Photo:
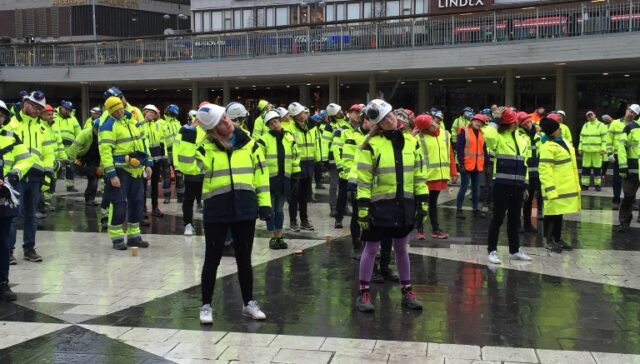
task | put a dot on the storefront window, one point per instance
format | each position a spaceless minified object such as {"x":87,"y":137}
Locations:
{"x":419,"y":6}
{"x":247,"y":19}
{"x":393,"y":8}
{"x":271,"y":17}
{"x":340,"y":9}
{"x":406,"y":7}
{"x":282,"y":16}
{"x":207,"y":21}
{"x":353,"y":11}
{"x":330,"y":13}
{"x":260,"y":18}
{"x":228,"y":19}
{"x":197,"y":22}
{"x":216,"y":21}
{"x":366,"y":7}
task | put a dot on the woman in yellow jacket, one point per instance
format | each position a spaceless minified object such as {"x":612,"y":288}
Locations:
{"x":235,"y":192}
{"x":559,"y":182}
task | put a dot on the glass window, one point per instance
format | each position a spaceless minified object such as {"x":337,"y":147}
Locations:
{"x":419,"y":6}
{"x":294,"y":12}
{"x":366,"y":7}
{"x":197,"y":22}
{"x":207,"y":21}
{"x":228,"y":15}
{"x":282,"y":16}
{"x":340,"y":9}
{"x":247,"y":19}
{"x":237,"y":19}
{"x":393,"y":8}
{"x":271,"y":17}
{"x":406,"y":7}
{"x":216,"y":21}
{"x":260,"y":18}
{"x":378,"y":10}
{"x":353,"y":11}
{"x":330,"y":14}
{"x":316,"y":13}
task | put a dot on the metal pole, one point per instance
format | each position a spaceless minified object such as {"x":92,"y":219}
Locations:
{"x":93,"y":12}
{"x":630,"y":15}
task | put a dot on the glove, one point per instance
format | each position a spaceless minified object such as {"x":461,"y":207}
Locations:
{"x":78,"y":162}
{"x":525,"y":195}
{"x":56,"y":166}
{"x":12,"y":179}
{"x":624,"y":172}
{"x":265,"y":213}
{"x":46,"y":183}
{"x":422,"y":212}
{"x":99,"y":172}
{"x":133,"y":162}
{"x":127,"y":114}
{"x":363,"y":218}
{"x":612,"y":159}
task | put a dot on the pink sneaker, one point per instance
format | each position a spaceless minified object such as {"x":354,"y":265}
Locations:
{"x":420,"y":235}
{"x":439,"y":234}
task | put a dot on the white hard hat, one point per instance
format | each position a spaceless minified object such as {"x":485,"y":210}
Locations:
{"x":439,"y":115}
{"x":560,"y":112}
{"x":192,"y":113}
{"x":296,"y":108}
{"x":271,"y":114}
{"x":152,"y":108}
{"x":210,"y":115}
{"x":236,"y":110}
{"x":333,"y":109}
{"x":635,"y":108}
{"x":96,"y":110}
{"x":37,"y":97}
{"x":377,"y":110}
{"x":4,"y":107}
{"x":282,"y":112}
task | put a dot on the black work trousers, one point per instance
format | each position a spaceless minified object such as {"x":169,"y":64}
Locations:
{"x":89,"y":171}
{"x":507,"y":200}
{"x":299,"y":198}
{"x":630,"y":188}
{"x":214,"y":237}
{"x":341,"y":204}
{"x":534,"y":192}
{"x":192,"y":192}
{"x":553,"y":227}
{"x":158,"y":168}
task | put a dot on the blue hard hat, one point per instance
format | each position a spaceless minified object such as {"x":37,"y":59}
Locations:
{"x":316,"y":117}
{"x":112,"y":91}
{"x":486,"y":111}
{"x":22,"y":94}
{"x":67,"y":105}
{"x":172,"y":110}
{"x":323,"y":114}
{"x":467,"y":109}
{"x":96,"y":123}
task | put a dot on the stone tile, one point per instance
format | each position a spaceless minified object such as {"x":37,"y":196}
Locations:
{"x":159,"y":348}
{"x":565,"y":357}
{"x":437,"y":350}
{"x":408,"y":348}
{"x":469,"y":361}
{"x":110,"y":331}
{"x":199,"y":361}
{"x":10,"y":340}
{"x":495,"y":353}
{"x":238,"y":339}
{"x":610,"y":358}
{"x":147,"y":335}
{"x":93,"y":310}
{"x":194,"y":336}
{"x":196,"y":351}
{"x":297,"y":342}
{"x":302,"y":356}
{"x":248,"y":353}
{"x":349,"y":358}
{"x":337,"y":344}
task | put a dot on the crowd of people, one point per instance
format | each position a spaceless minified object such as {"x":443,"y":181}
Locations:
{"x":388,"y":166}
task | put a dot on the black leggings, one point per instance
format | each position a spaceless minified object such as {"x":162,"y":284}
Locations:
{"x":341,"y":204}
{"x":552,"y":227}
{"x":214,"y":237}
{"x":507,"y":200}
{"x":192,"y":191}
{"x":354,"y":226}
{"x":298,"y":199}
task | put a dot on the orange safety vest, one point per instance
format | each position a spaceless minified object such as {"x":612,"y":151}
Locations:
{"x":473,"y":150}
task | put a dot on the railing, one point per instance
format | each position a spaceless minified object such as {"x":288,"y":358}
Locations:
{"x":569,"y":20}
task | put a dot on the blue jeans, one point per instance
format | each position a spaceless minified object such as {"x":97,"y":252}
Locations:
{"x":474,"y":177}
{"x":277,"y":221}
{"x":5,"y":248}
{"x":29,"y":189}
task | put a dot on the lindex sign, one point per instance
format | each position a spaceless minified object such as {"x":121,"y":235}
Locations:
{"x":459,"y":6}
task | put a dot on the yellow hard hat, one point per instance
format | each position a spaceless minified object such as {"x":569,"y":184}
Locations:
{"x":112,"y":104}
{"x":262,"y":104}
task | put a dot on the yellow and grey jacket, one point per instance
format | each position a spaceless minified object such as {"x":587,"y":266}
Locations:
{"x":120,"y":143}
{"x":68,"y":127}
{"x":559,"y":179}
{"x":283,"y":159}
{"x":37,"y":140}
{"x":184,"y":153}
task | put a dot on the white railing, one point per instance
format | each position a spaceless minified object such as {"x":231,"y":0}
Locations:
{"x":570,"y":20}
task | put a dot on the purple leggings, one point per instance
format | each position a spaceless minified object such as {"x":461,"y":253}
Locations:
{"x":369,"y":253}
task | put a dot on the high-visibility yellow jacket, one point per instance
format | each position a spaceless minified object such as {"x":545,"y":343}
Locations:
{"x":283,"y":159}
{"x":81,"y":145}
{"x":353,"y":140}
{"x":459,"y":123}
{"x":566,"y":132}
{"x":68,"y":126}
{"x":236,"y":182}
{"x":55,"y":139}
{"x":615,"y":132}
{"x":391,"y":178}
{"x":337,"y":144}
{"x":87,"y":123}
{"x":306,"y":141}
{"x":259,"y":127}
{"x":37,"y":140}
{"x":119,"y":140}
{"x":628,"y":145}
{"x":593,"y":137}
{"x":436,"y":151}
{"x":533,"y":149}
{"x":510,"y":163}
{"x":185,"y":152}
{"x":171,"y":127}
{"x":490,"y":134}
{"x":559,"y":179}
{"x":154,"y":134}
{"x":15,"y":163}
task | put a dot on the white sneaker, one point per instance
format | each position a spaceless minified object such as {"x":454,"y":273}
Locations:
{"x":188,"y":230}
{"x":253,"y":310}
{"x":206,"y":314}
{"x":520,"y":255}
{"x":493,"y":258}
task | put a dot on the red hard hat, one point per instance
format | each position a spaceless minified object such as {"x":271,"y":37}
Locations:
{"x":48,"y":107}
{"x":554,"y":117}
{"x":480,"y":117}
{"x":423,"y":121}
{"x":356,"y":107}
{"x":508,"y":116}
{"x":523,"y":117}
{"x":410,"y":113}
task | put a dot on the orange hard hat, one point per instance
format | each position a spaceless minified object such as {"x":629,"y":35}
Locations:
{"x":508,"y":116}
{"x":48,"y":107}
{"x":423,"y":121}
{"x":523,"y":117}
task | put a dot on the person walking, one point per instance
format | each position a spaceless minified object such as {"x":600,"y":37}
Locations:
{"x":471,"y":151}
{"x":510,"y":187}
{"x":592,"y":147}
{"x":392,"y":193}
{"x":235,"y":192}
{"x":559,"y":183}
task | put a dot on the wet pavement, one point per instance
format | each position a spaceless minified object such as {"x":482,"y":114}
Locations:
{"x":88,"y":303}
